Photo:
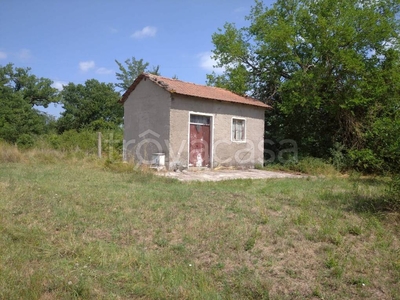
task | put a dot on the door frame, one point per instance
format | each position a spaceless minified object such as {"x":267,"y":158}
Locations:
{"x":211,"y":136}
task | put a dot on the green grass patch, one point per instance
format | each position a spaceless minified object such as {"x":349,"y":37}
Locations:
{"x":306,"y":165}
{"x":75,"y":228}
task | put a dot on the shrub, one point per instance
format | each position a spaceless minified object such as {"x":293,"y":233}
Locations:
{"x":86,"y":141}
{"x":365,"y":161}
{"x":338,"y":158}
{"x":25,"y":141}
{"x":54,"y":140}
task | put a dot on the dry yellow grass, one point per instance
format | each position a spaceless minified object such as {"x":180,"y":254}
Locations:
{"x":9,"y":153}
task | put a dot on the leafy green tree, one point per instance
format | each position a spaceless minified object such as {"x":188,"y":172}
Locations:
{"x":34,"y":90}
{"x":329,"y":68}
{"x":234,"y":79}
{"x":93,"y":105}
{"x":20,"y":91}
{"x":132,"y":70}
{"x":17,"y":117}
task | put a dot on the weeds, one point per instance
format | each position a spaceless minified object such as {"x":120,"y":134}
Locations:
{"x":9,"y":153}
{"x":251,"y":241}
{"x":307,"y":165}
{"x":392,"y":199}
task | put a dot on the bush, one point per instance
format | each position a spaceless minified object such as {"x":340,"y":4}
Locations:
{"x":54,"y":140}
{"x":85,"y":141}
{"x":338,"y":158}
{"x":25,"y":141}
{"x":365,"y":161}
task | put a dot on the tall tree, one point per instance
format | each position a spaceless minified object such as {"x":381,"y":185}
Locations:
{"x":34,"y":90}
{"x":326,"y":66}
{"x":20,"y":91}
{"x":132,"y":70}
{"x":93,"y":105}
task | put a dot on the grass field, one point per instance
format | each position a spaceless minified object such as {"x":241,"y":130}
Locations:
{"x":74,"y":230}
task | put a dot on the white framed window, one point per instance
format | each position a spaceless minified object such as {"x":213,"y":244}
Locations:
{"x":238,"y":130}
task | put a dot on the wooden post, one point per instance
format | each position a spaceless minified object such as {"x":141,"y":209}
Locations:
{"x":99,"y":144}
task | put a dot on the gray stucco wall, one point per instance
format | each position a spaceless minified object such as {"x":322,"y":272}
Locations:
{"x":225,"y":152}
{"x":146,"y":122}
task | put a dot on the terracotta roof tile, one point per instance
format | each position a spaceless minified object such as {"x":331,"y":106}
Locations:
{"x":193,"y":90}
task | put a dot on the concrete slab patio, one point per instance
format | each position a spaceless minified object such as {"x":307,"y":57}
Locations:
{"x":218,"y":175}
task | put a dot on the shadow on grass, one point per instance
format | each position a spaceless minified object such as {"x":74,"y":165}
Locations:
{"x":385,"y":201}
{"x":361,"y":200}
{"x":375,"y":205}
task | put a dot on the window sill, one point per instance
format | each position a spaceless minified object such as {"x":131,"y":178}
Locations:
{"x":239,"y":142}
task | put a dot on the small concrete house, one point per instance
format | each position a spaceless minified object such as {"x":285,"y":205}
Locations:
{"x":179,"y":124}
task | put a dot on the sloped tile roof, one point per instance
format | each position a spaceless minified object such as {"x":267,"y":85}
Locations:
{"x":193,"y":90}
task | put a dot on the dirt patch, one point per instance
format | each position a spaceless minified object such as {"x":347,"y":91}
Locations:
{"x":218,"y":175}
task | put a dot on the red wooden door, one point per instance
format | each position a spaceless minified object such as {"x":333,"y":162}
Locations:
{"x":199,"y":150}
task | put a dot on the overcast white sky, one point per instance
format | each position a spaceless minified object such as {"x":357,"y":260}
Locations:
{"x":76,"y":40}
